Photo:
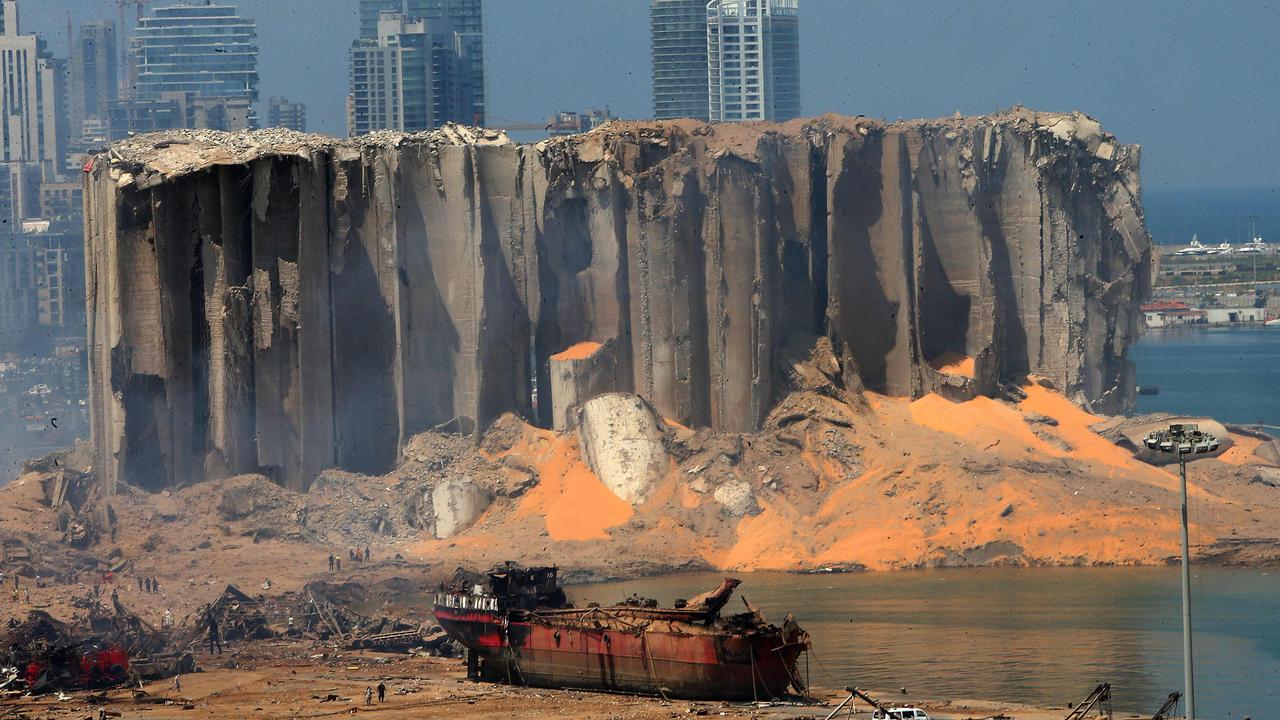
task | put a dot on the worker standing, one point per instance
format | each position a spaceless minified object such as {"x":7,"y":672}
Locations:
{"x":382,"y":691}
{"x":368,"y":696}
{"x":330,"y":562}
{"x":215,"y":641}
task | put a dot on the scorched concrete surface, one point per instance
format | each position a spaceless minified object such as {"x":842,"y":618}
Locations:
{"x":280,"y":303}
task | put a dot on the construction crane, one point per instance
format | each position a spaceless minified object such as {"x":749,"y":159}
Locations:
{"x":1099,"y":698}
{"x":1166,"y":710}
{"x":856,"y":693}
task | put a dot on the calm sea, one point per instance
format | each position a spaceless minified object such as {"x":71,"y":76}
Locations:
{"x":1230,"y":374}
{"x":1043,"y":636}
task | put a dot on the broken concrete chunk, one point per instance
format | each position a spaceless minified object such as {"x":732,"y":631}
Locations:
{"x":456,"y":504}
{"x":737,"y":498}
{"x":622,"y":444}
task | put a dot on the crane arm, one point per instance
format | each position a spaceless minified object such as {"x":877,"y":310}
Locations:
{"x":1100,"y":695}
{"x":1168,"y":707}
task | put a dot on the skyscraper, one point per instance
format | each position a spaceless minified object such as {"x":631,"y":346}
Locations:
{"x":207,"y":50}
{"x":95,"y":76}
{"x":32,"y":128}
{"x":753,"y":59}
{"x":678,"y":41}
{"x":466,"y":18}
{"x":415,"y":76}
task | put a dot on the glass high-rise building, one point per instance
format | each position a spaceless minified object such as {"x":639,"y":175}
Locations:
{"x":725,"y":60}
{"x":207,"y":50}
{"x":414,"y":76}
{"x":678,"y":42}
{"x":465,"y":18}
{"x":753,"y":59}
{"x":95,"y":79}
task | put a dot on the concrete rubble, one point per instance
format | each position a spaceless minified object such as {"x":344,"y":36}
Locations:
{"x":281,"y":303}
{"x":622,"y":444}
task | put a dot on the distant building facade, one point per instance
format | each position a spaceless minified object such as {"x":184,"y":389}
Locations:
{"x":18,"y":306}
{"x":569,"y":122}
{"x":753,"y":60}
{"x":58,"y":252}
{"x":283,"y":113}
{"x":206,"y":50}
{"x":95,"y":76}
{"x":678,"y":44}
{"x":725,"y":60}
{"x":126,"y":117}
{"x":466,"y":19}
{"x":33,"y":127}
{"x":176,"y":110}
{"x":416,"y":75}
{"x":19,"y":194}
{"x":62,"y":201}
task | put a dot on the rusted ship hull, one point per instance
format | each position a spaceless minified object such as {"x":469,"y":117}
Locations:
{"x":573,"y":649}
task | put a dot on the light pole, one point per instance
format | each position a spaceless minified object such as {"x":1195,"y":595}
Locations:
{"x":1184,"y":440}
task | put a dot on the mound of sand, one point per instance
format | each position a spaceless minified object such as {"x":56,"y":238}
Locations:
{"x":839,"y":479}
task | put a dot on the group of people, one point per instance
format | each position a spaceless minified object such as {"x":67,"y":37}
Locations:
{"x":148,"y":585}
{"x":382,"y":694}
{"x":353,"y":554}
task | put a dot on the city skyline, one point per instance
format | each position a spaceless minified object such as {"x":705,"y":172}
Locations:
{"x":940,"y":59}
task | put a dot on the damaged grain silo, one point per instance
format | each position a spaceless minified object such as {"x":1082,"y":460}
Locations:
{"x":282,"y":303}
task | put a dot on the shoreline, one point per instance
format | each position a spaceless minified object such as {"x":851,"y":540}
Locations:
{"x":294,"y":679}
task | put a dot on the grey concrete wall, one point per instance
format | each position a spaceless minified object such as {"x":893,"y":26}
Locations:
{"x":285,"y":303}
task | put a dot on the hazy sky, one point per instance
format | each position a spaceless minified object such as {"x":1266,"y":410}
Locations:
{"x":1195,"y":83}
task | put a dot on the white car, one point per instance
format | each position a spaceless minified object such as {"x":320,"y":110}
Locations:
{"x":899,"y":713}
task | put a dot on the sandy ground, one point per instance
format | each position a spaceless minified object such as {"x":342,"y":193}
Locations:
{"x":873,"y":483}
{"x":292,"y":680}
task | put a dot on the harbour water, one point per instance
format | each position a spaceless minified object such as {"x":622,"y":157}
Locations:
{"x":1044,"y":636}
{"x":1230,"y":373}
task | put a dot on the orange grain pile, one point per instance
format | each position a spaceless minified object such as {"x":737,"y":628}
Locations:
{"x":581,"y":351}
{"x":1241,"y":450}
{"x":988,"y":423}
{"x":953,"y":363}
{"x":572,"y":500}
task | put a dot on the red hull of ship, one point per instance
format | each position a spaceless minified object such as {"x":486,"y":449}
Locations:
{"x":564,"y":651}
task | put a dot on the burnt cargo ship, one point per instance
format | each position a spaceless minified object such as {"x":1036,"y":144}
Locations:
{"x":519,"y":628}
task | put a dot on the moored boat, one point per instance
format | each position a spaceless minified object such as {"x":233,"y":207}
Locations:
{"x":518,"y":628}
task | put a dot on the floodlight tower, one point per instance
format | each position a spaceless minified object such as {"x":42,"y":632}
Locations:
{"x":1184,"y":440}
